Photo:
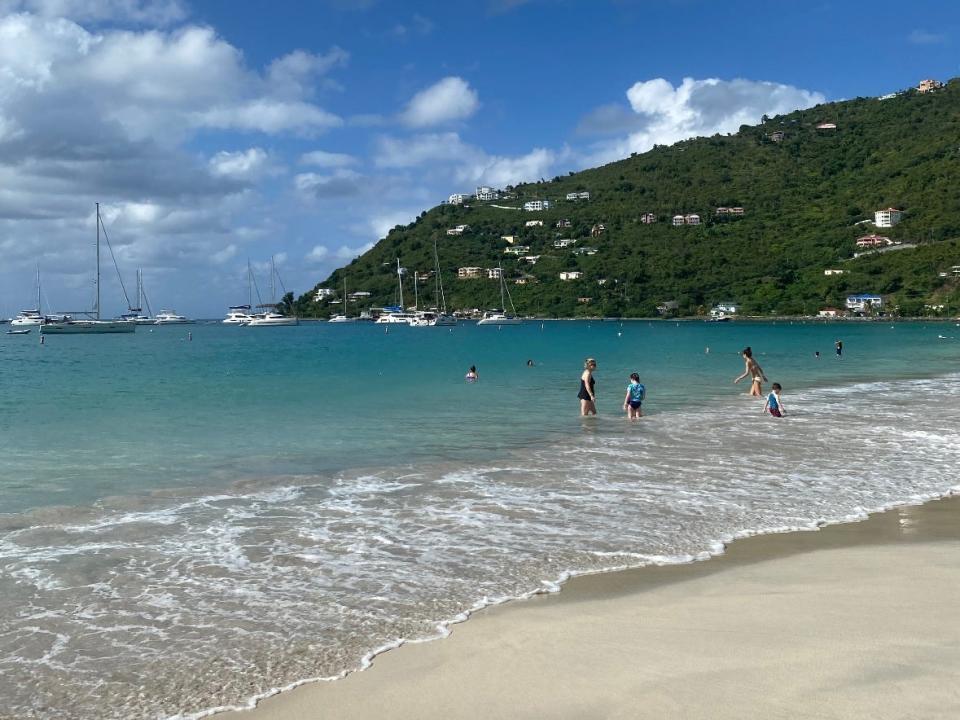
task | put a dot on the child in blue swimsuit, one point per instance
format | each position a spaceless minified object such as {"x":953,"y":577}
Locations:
{"x":636,"y":392}
{"x":774,"y":404}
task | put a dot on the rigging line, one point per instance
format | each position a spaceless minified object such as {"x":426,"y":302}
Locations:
{"x":255,"y":286}
{"x":115,"y":266}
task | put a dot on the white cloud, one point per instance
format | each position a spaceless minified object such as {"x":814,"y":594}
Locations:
{"x":269,"y":116}
{"x":923,"y":37}
{"x":666,"y":114}
{"x":227,"y":253}
{"x":148,"y":12}
{"x":346,"y":253}
{"x":317,"y":254}
{"x":466,"y":163}
{"x":341,"y":183}
{"x":449,"y":99}
{"x":321,"y":158}
{"x":295,"y":73}
{"x":245,"y":164}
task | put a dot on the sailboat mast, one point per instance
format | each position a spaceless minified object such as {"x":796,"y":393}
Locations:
{"x":416,"y":291}
{"x":97,"y":306}
{"x":39,"y":306}
{"x":345,"y":313}
{"x":273,"y":282}
{"x":400,"y":281}
{"x":503,"y":284}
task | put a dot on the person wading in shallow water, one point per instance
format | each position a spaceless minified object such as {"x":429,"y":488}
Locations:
{"x":588,"y":400}
{"x":755,"y":371}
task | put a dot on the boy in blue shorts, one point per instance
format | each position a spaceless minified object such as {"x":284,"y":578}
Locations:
{"x":774,"y":404}
{"x":636,"y":392}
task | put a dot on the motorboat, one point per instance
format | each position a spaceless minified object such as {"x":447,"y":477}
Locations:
{"x":169,"y":317}
{"x":238,"y":315}
{"x":19,"y":332}
{"x":26,"y":318}
{"x":272,"y":319}
{"x":342,"y":319}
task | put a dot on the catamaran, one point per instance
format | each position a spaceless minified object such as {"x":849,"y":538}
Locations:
{"x":343,"y":317}
{"x":135,"y":313}
{"x":68,"y":326}
{"x":240,"y":314}
{"x":30,"y":318}
{"x":270,"y":317}
{"x":169,"y":317}
{"x":396,"y":314}
{"x":501,"y":317}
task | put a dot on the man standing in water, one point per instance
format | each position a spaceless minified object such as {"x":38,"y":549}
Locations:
{"x":755,"y":372}
{"x":839,"y":345}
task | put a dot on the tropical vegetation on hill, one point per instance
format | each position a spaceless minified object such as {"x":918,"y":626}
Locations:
{"x":806,"y":197}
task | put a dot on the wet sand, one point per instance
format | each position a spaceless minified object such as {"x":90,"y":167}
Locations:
{"x":854,"y":621}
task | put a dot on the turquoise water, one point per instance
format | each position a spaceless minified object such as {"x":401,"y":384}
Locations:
{"x":188,"y":524}
{"x":86,"y":417}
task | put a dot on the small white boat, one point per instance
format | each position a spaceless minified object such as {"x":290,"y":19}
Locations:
{"x":501,"y":317}
{"x":18,"y":332}
{"x":342,"y":319}
{"x":238,"y":315}
{"x":272,"y":319}
{"x":169,"y":317}
{"x":27,"y":318}
{"x":393,"y":316}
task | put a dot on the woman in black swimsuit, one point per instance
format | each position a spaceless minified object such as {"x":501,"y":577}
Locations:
{"x":588,"y":400}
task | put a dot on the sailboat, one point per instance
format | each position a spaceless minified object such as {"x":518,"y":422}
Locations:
{"x":272,"y":318}
{"x":30,"y":318}
{"x":96,"y":325}
{"x":436,"y":316}
{"x":501,"y":317}
{"x":134,"y":314}
{"x":343,"y":317}
{"x":396,"y":314}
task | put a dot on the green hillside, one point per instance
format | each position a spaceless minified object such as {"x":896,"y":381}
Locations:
{"x":802,"y":200}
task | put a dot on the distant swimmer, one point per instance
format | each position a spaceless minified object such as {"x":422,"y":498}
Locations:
{"x":816,"y":354}
{"x":774,"y":404}
{"x":839,"y":346}
{"x":753,"y":369}
{"x":588,"y":399}
{"x":472,"y":374}
{"x":530,"y":363}
{"x":633,"y":400}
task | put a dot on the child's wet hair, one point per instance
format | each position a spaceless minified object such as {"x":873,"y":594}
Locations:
{"x":635,"y":377}
{"x":776,"y":386}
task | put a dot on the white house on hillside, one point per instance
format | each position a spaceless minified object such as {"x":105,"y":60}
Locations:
{"x":831,"y":271}
{"x":564,"y":242}
{"x":873,"y":241}
{"x":509,"y":239}
{"x":575,"y":196}
{"x":466,"y":273}
{"x":458,"y":199}
{"x":323,"y":293}
{"x":648,"y":218}
{"x":494,"y":273}
{"x":516,"y":250}
{"x":533,"y":223}
{"x":537,"y":205}
{"x":458,"y":230}
{"x":723,"y":309}
{"x":571,"y":275}
{"x":677,"y":220}
{"x":887,"y":217}
{"x":487,"y":193}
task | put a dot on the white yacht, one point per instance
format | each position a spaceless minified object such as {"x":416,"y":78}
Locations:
{"x":343,"y":317}
{"x":27,"y":318}
{"x":501,"y":317}
{"x":238,"y":315}
{"x":395,"y":316}
{"x":271,"y":319}
{"x":169,"y":317}
{"x":134,"y":314}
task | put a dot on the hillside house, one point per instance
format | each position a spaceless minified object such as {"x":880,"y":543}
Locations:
{"x":955,"y":270}
{"x":509,"y":239}
{"x":598,"y":230}
{"x":458,"y":199}
{"x":887,"y":217}
{"x":776,"y":136}
{"x":677,"y":220}
{"x":873,"y":241}
{"x":485,"y":192}
{"x":691,"y":219}
{"x":323,"y":294}
{"x":577,"y":196}
{"x":831,"y":312}
{"x":563,"y":223}
{"x":730,"y":211}
{"x":564,"y":242}
{"x":494,"y":273}
{"x":533,"y":223}
{"x":458,"y":230}
{"x":584,"y":300}
{"x":723,"y":309}
{"x":668,"y":308}
{"x":532,"y":259}
{"x":525,"y":280}
{"x":926,"y":86}
{"x":832,"y":271}
{"x":571,"y":275}
{"x":537,"y":205}
{"x":863,"y":302}
{"x":516,"y":250}
{"x":585,"y":251}
{"x":827,"y":126}
{"x":358,"y":295}
{"x":601,"y":281}
{"x":648,"y":218}
{"x":469,"y":273}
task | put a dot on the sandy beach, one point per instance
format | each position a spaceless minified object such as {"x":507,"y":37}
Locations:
{"x":853,"y":621}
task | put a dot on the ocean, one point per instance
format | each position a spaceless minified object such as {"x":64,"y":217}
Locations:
{"x":188,"y":524}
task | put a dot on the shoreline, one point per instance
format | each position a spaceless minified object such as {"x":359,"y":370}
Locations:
{"x":426,"y":678}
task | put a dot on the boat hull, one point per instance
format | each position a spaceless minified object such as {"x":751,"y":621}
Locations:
{"x":272,"y":322}
{"x":500,"y":321}
{"x":87,"y":327}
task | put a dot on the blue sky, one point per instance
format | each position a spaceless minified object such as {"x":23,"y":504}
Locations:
{"x":217,"y":131}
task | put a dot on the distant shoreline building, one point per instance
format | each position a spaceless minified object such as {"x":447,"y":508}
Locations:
{"x":887,"y":217}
